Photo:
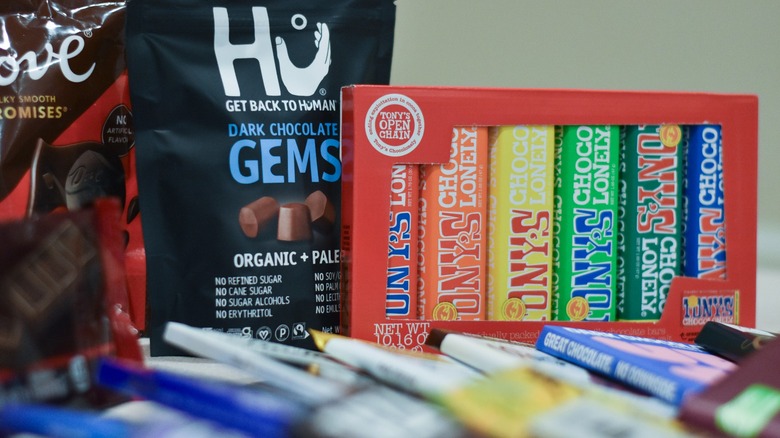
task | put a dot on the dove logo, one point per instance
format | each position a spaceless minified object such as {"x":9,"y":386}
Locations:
{"x":70,"y":48}
{"x":298,"y":81}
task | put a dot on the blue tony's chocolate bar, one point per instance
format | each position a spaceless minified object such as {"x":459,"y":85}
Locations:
{"x":705,"y":237}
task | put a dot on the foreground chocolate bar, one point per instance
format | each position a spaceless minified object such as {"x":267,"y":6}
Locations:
{"x":62,"y":290}
{"x":747,"y":403}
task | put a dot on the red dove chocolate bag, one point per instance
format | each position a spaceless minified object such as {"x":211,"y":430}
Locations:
{"x":237,"y":123}
{"x":66,"y":129}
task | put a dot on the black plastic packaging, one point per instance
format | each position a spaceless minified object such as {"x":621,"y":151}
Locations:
{"x":236,"y":101}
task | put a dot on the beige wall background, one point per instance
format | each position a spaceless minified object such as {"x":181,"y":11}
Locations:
{"x":692,"y":45}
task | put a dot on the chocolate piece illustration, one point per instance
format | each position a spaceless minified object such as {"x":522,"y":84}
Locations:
{"x":256,"y":216}
{"x":294,"y":222}
{"x":323,"y":213}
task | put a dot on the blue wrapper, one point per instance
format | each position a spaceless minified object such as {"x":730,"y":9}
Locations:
{"x":705,"y":236}
{"x":254,"y":412}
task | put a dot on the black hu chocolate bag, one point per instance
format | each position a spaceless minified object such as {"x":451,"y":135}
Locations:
{"x":237,"y":125}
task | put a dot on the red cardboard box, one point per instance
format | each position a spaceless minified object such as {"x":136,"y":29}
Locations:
{"x":428,"y":115}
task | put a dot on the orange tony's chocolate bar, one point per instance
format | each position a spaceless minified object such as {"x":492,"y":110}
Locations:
{"x":454,"y":244}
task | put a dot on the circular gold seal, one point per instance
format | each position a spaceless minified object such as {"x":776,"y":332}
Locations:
{"x":513,"y":309}
{"x":671,"y":135}
{"x":445,"y":312}
{"x":577,"y":309}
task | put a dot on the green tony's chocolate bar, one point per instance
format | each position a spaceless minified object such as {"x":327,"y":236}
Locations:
{"x":651,"y":218}
{"x":585,"y":223}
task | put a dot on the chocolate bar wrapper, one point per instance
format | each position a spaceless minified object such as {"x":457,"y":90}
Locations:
{"x":746,"y":404}
{"x":652,"y":222}
{"x":454,"y":245}
{"x":520,"y":223}
{"x":585,"y":230}
{"x":506,"y":403}
{"x":379,"y":407}
{"x":705,"y":232}
{"x":733,"y":342}
{"x":402,"y":248}
{"x":63,"y":304}
{"x":668,"y":370}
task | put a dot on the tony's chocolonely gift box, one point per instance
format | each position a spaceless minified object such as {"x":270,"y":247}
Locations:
{"x":496,"y":211}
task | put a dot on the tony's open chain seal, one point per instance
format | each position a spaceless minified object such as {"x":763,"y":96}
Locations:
{"x":394,"y":125}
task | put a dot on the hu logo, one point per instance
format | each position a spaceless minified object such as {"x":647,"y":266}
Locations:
{"x":299,"y":81}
